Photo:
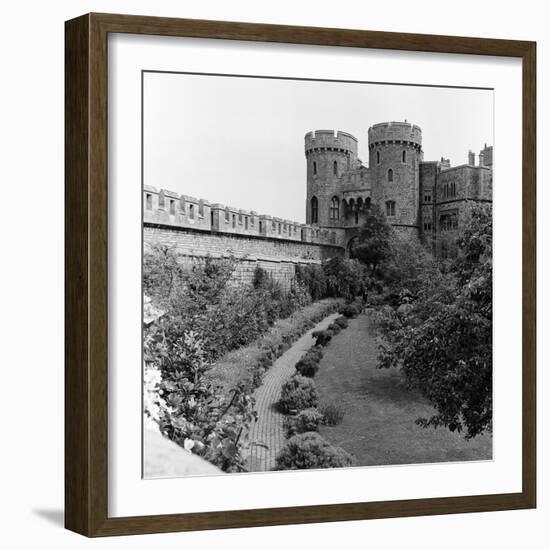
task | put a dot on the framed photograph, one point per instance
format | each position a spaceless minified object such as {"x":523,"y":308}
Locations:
{"x":300,"y":275}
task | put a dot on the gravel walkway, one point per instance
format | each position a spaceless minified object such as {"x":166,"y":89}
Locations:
{"x":267,"y":434}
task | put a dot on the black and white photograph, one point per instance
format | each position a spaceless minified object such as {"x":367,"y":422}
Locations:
{"x":317,"y":274}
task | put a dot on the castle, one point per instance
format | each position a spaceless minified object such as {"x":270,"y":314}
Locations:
{"x":423,"y":200}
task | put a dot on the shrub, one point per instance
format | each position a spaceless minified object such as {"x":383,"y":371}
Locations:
{"x":342,"y":322}
{"x":297,"y":394}
{"x":322,"y":337}
{"x":307,"y":420}
{"x":307,"y":366}
{"x":345,"y":278}
{"x":351,"y":310}
{"x":313,"y":278}
{"x":332,"y":413}
{"x":309,"y":450}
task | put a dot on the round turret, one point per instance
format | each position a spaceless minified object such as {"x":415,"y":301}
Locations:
{"x":395,"y":151}
{"x":329,"y":154}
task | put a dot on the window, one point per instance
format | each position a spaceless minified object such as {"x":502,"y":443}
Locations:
{"x":246,"y":222}
{"x":172,"y":207}
{"x":314,"y":210}
{"x":377,"y":157}
{"x":260,"y":227}
{"x":191,"y":212}
{"x":356,"y":217}
{"x":334,"y":209}
{"x":404,"y":156}
{"x":233,"y":220}
{"x":335,"y":168}
{"x":449,"y":222}
{"x":314,"y":168}
{"x":149,"y":201}
{"x":279,"y":228}
{"x":390,"y":175}
{"x":427,"y":226}
{"x":390,"y":208}
{"x":427,"y":195}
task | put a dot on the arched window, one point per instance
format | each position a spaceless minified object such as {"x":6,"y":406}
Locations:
{"x":356,"y":217}
{"x":335,"y":168}
{"x":390,"y":175}
{"x":149,"y":201}
{"x":314,"y":168}
{"x":334,"y":209}
{"x":404,"y":156}
{"x":367,"y":203}
{"x":314,"y":210}
{"x":191,"y":212}
{"x":377,"y":157}
{"x":390,"y":208}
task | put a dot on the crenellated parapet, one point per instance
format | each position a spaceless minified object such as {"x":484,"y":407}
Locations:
{"x":164,"y":207}
{"x":330,"y":140}
{"x":402,"y":133}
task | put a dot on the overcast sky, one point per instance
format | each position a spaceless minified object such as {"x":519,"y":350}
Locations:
{"x":240,"y":141}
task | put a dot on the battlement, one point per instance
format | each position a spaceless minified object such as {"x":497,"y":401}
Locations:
{"x":164,"y":207}
{"x":390,"y":132}
{"x":330,"y":140}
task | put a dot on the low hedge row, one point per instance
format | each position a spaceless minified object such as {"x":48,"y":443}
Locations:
{"x":306,"y":448}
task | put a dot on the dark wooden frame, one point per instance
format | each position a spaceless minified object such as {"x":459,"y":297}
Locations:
{"x":86,"y":274}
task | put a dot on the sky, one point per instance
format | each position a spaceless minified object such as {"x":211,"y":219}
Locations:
{"x":239,"y":141}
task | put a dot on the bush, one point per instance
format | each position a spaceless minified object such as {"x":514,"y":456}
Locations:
{"x":351,"y":310}
{"x":309,"y":450}
{"x":307,"y":420}
{"x":342,"y":322}
{"x":307,"y":366}
{"x":313,"y":278}
{"x":322,"y":337}
{"x":345,"y":278}
{"x":297,"y":394}
{"x":332,"y":413}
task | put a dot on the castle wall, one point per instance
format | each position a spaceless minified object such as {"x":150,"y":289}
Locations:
{"x":278,"y":257}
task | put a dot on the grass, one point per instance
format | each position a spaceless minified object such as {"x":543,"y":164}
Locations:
{"x":380,"y":411}
{"x":249,"y":362}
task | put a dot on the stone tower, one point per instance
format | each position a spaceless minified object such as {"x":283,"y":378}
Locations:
{"x":395,"y":152}
{"x":329,"y":154}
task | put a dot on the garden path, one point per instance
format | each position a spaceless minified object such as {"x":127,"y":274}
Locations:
{"x":267,"y":434}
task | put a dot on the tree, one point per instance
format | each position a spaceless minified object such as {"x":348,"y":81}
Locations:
{"x":443,"y":342}
{"x":373,"y":243}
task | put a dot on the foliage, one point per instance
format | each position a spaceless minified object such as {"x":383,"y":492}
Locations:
{"x":345,"y":278}
{"x":322,"y":337}
{"x":332,"y":413}
{"x":373,"y":242}
{"x":298,"y":393}
{"x":307,"y":420}
{"x":249,"y":363}
{"x":313,"y":278}
{"x":309,"y":450}
{"x":192,"y":414}
{"x":442,"y":340}
{"x":342,"y":322}
{"x":352,"y":310}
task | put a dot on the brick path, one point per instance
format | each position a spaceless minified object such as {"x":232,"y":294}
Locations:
{"x":268,"y":429}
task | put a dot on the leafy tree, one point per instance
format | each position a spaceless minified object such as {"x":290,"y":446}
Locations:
{"x":443,"y":341}
{"x":374,"y":240}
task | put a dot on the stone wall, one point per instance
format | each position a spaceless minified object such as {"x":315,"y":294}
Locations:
{"x":277,"y":256}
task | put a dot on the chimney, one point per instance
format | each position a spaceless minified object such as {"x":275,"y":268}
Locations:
{"x":471,"y":158}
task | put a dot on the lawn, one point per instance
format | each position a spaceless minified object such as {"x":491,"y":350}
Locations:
{"x":380,"y":411}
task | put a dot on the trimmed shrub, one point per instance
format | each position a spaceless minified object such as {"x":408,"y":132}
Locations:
{"x":352,"y":310}
{"x":307,"y":366}
{"x":332,"y":413}
{"x":342,"y":322}
{"x":307,"y":420}
{"x":309,"y":450}
{"x":298,"y":393}
{"x":322,"y":337}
